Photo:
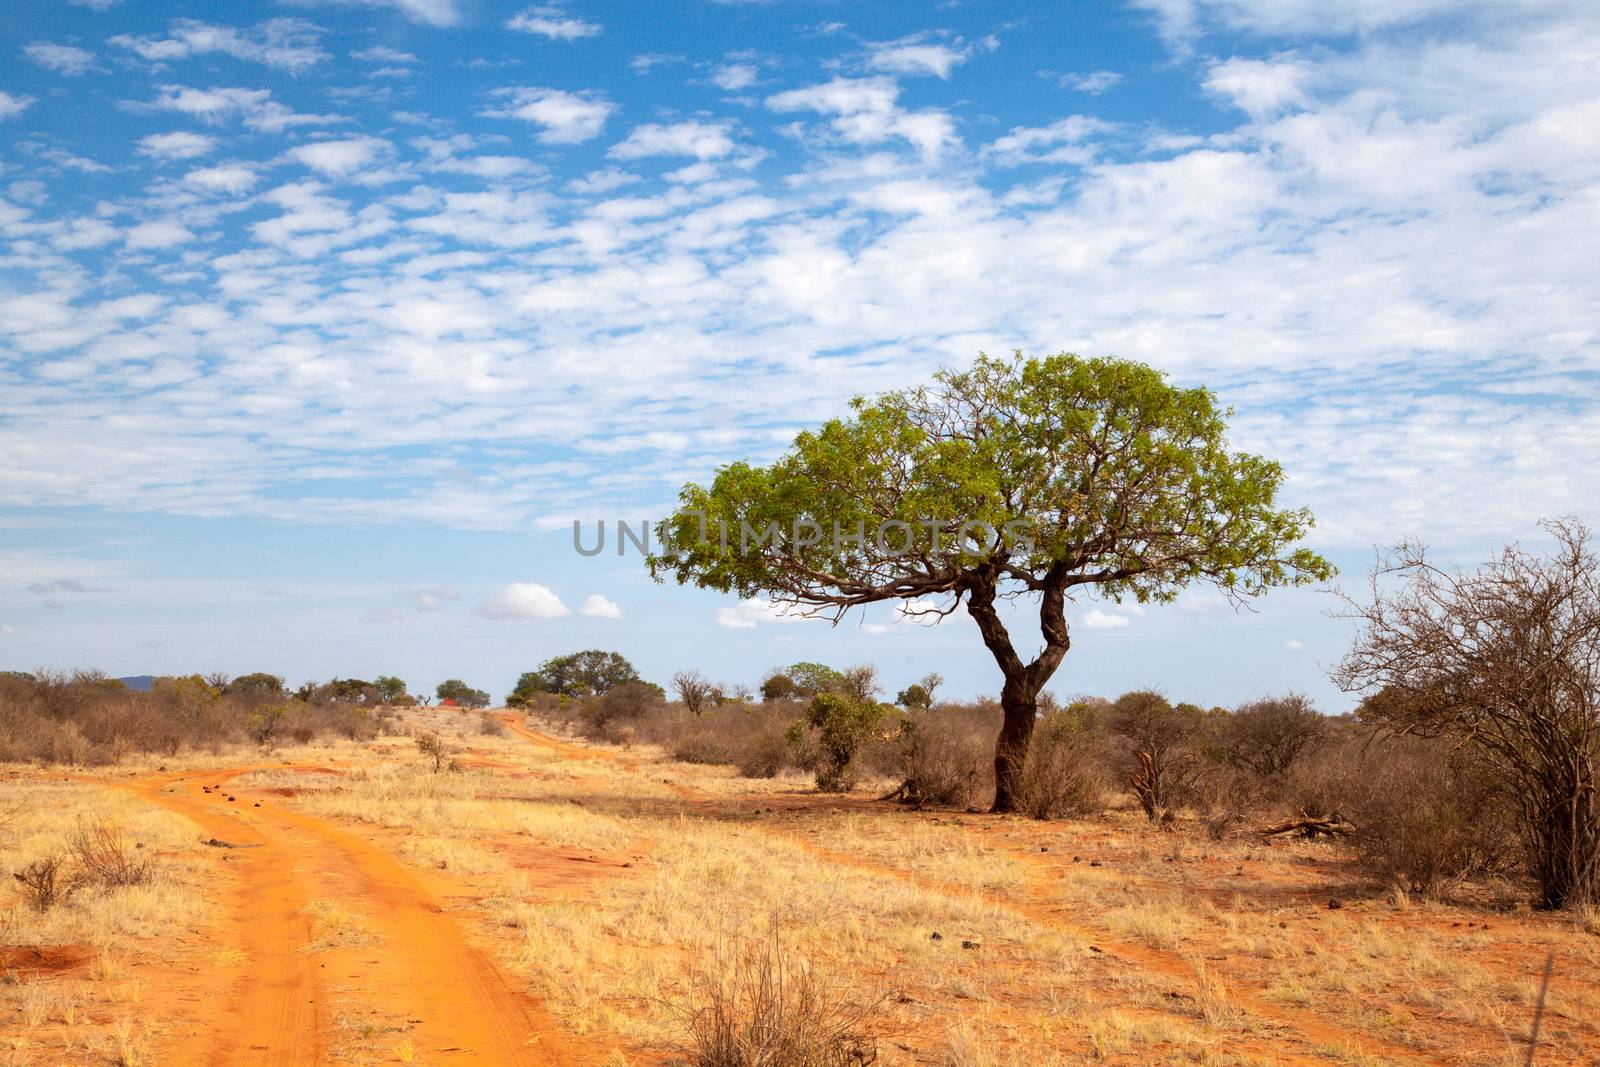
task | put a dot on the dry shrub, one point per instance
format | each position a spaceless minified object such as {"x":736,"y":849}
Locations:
{"x":46,"y":882}
{"x":1425,"y":813}
{"x":105,"y":858}
{"x":945,"y":757}
{"x":489,"y":726}
{"x":766,"y":1007}
{"x":1062,"y":776}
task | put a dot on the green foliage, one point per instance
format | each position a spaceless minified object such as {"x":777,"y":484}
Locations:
{"x":266,"y":725}
{"x":813,"y":678}
{"x":462,"y":693}
{"x":390,"y":688}
{"x":578,"y":674}
{"x":257,"y":686}
{"x":915,"y":696}
{"x":778,"y":686}
{"x":1114,"y":473}
{"x":842,"y":725}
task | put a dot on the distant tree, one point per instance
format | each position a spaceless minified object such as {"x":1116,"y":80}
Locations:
{"x":1505,"y":659}
{"x":694,"y":691}
{"x":1267,"y":737}
{"x":813,"y":678}
{"x":778,"y":686}
{"x":463,"y":694}
{"x":1164,"y":741}
{"x":621,"y":703}
{"x":390,"y":688}
{"x":256,"y":687}
{"x":578,"y":674}
{"x":859,"y":682}
{"x":1019,"y":477}
{"x":266,"y":724}
{"x":920,"y":694}
{"x":217,"y":680}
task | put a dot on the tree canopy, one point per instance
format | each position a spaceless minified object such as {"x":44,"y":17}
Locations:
{"x":463,"y":694}
{"x":577,"y":674}
{"x":1042,"y":477}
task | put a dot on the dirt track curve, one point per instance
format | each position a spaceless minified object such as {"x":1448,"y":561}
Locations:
{"x":410,"y":982}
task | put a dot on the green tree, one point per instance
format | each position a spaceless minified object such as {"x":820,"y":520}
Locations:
{"x":462,"y":693}
{"x":577,"y":674}
{"x":1043,"y":478}
{"x":843,"y":724}
{"x":257,"y":686}
{"x":389,"y":688}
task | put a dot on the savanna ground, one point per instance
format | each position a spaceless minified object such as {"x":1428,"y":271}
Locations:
{"x":555,"y":901}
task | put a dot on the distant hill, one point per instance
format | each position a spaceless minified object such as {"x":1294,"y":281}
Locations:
{"x":140,"y":682}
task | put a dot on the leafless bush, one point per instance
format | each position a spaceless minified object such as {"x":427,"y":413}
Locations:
{"x":945,"y":757}
{"x":1163,"y":745}
{"x":46,"y":882}
{"x":765,"y":1007}
{"x":1507,"y":660}
{"x":1266,"y":737}
{"x":603,"y":715}
{"x":105,"y":858}
{"x":1061,"y":776}
{"x":490,"y":726}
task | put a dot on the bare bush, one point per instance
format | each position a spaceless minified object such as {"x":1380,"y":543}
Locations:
{"x":1061,"y":776}
{"x":490,"y":726}
{"x":1164,"y":743}
{"x":433,"y":746}
{"x":1507,"y":659}
{"x":46,"y":882}
{"x":105,"y":857}
{"x":1266,"y":737}
{"x":765,"y":1007}
{"x":945,"y":759}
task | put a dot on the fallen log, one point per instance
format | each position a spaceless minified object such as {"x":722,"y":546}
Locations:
{"x":1309,"y":827}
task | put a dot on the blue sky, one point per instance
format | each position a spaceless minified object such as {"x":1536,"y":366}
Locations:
{"x":321,"y":322}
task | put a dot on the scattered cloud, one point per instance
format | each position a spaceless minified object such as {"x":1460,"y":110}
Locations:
{"x":598,"y":607}
{"x":1258,"y":87}
{"x":441,"y":13}
{"x":179,"y":144}
{"x":157,"y":234}
{"x":12,"y":106}
{"x":734,"y":77}
{"x":285,"y":44}
{"x":434,"y":599}
{"x":924,"y":54}
{"x":343,"y":158}
{"x":1061,"y":142}
{"x":553,"y":23}
{"x":563,"y":117}
{"x":383,"y":54}
{"x":756,"y":611}
{"x":254,"y":107}
{"x":232,"y":178}
{"x":61,"y":58}
{"x":7,"y":631}
{"x":702,"y":140}
{"x":1294,"y":646}
{"x":864,"y":111}
{"x":1093,"y":82}
{"x":61,"y":585}
{"x":523,"y":602}
{"x":1095,"y":619}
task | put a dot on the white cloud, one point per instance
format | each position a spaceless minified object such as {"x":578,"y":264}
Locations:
{"x":254,"y":107}
{"x":8,"y":631}
{"x":552,"y":22}
{"x":864,"y":112}
{"x":379,"y":53}
{"x":179,"y":144}
{"x":920,"y":54}
{"x":598,"y":607}
{"x":340,"y":159}
{"x":95,"y":5}
{"x":1093,"y":82}
{"x":702,"y":140}
{"x":524,"y":602}
{"x":1059,"y":142}
{"x":233,"y":178}
{"x":158,"y":233}
{"x":1258,"y":87}
{"x":61,"y":58}
{"x":12,"y":106}
{"x":756,"y":611}
{"x":286,"y":44}
{"x":564,"y":118}
{"x":1293,"y":645}
{"x":1095,"y":619}
{"x":439,"y":13}
{"x":434,"y":599}
{"x":733,"y":77}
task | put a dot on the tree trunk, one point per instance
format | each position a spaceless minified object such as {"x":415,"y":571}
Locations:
{"x":1020,"y":709}
{"x":1019,"y":696}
